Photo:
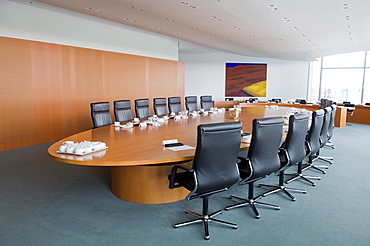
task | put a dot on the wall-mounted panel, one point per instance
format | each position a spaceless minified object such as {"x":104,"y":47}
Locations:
{"x":46,"y":89}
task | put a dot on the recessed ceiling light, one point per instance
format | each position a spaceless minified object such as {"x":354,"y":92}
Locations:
{"x":98,"y":10}
{"x":285,"y":19}
{"x":184,"y":3}
{"x":88,"y":8}
{"x":346,"y":17}
{"x":192,"y":6}
{"x":295,"y":28}
{"x":169,"y":19}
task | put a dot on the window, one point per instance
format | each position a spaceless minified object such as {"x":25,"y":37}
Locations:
{"x":341,"y":78}
{"x":342,"y":85}
{"x":366,"y":95}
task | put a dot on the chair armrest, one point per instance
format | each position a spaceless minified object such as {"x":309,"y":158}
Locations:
{"x":173,"y":175}
{"x":244,"y":162}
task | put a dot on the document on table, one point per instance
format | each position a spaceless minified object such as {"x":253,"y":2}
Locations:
{"x":179,"y":148}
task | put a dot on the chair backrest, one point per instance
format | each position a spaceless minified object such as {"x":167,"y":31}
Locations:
{"x":174,"y":104}
{"x":367,"y":104}
{"x":206,"y":102}
{"x":122,"y":110}
{"x":332,"y":121}
{"x":191,"y":103}
{"x":142,"y":108}
{"x":300,"y":101}
{"x":313,"y":136}
{"x":100,"y":114}
{"x":263,"y":149}
{"x":277,"y":100}
{"x":216,"y":156}
{"x":295,"y":142}
{"x":160,"y":106}
{"x":325,"y":126}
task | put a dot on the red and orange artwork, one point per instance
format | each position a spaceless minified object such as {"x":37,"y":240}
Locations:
{"x":245,"y":80}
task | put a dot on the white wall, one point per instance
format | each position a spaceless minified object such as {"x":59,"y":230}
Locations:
{"x":41,"y":22}
{"x":205,"y":74}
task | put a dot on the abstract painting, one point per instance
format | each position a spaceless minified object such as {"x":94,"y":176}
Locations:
{"x":245,"y":80}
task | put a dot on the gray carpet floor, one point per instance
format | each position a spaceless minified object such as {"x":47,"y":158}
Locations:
{"x":44,"y":202}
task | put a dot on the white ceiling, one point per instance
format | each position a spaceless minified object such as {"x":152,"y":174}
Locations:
{"x":299,"y":30}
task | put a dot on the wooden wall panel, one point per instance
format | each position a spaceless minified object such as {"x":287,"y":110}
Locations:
{"x":46,"y":89}
{"x":16,"y":94}
{"x":125,"y":77}
{"x":47,"y":84}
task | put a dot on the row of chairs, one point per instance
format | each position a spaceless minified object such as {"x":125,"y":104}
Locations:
{"x":100,"y":111}
{"x":216,"y":165}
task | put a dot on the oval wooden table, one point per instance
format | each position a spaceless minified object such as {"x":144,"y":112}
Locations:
{"x":139,"y":163}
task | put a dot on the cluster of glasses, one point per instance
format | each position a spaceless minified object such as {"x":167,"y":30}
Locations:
{"x":272,"y":106}
{"x":81,"y":148}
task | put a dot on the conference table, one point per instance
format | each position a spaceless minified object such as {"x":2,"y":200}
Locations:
{"x":140,"y":164}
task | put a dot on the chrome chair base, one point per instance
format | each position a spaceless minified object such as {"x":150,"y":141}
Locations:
{"x":251,"y":203}
{"x":301,"y":176}
{"x":327,"y":159}
{"x":205,"y":219}
{"x":281,"y":188}
{"x":330,"y":144}
{"x":318,"y":168}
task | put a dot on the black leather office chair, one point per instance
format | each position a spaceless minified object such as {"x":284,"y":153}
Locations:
{"x":174,"y":104}
{"x":300,"y":101}
{"x":350,"y":109}
{"x":122,"y":110}
{"x":262,"y":159}
{"x":100,"y":114}
{"x":331,"y":126}
{"x":142,"y":108}
{"x":367,"y":104}
{"x":191,"y":103}
{"x":229,"y":99}
{"x":252,"y":100}
{"x":275,"y":100}
{"x":160,"y":106}
{"x":313,"y":145}
{"x":214,"y":169}
{"x":324,"y":136}
{"x":206,"y":102}
{"x":291,"y":152}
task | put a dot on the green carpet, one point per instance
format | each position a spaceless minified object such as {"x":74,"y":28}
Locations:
{"x":44,"y":202}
